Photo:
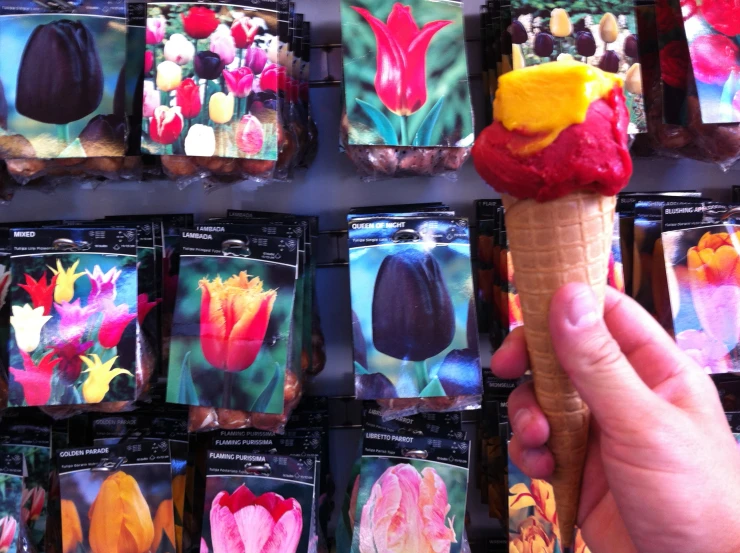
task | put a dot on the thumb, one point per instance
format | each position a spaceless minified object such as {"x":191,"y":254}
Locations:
{"x":592,"y":358}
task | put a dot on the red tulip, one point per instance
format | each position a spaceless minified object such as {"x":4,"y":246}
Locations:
{"x":41,"y":294}
{"x":35,"y":379}
{"x":115,"y":320}
{"x":165,"y":125}
{"x":144,"y":306}
{"x":69,"y":357}
{"x":148,"y":61}
{"x":723,"y":15}
{"x":188,"y":98}
{"x":713,"y":58}
{"x":400,"y":80}
{"x":239,"y":81}
{"x":674,"y":64}
{"x":243,"y":32}
{"x":200,"y":22}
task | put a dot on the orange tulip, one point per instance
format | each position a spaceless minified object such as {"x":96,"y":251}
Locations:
{"x":233,"y":320}
{"x":714,"y":280}
{"x":164,"y":522}
{"x":71,"y":527}
{"x":531,"y":537}
{"x":120,"y":520}
{"x":539,"y":495}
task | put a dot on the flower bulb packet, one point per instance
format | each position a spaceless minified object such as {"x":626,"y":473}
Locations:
{"x":487,"y":233}
{"x":414,"y":330}
{"x":280,"y":491}
{"x":604,"y":39}
{"x":533,"y":514}
{"x":211,"y":82}
{"x":12,"y":471}
{"x":74,"y":302}
{"x":430,"y":475}
{"x":704,"y":294}
{"x":30,"y":436}
{"x":406,"y":90}
{"x":117,"y":495}
{"x":63,"y":73}
{"x":243,"y":362}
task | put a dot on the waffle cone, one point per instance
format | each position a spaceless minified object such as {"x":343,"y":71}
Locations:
{"x":555,"y":243}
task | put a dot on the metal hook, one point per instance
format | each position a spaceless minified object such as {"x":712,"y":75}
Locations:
{"x":415,"y":453}
{"x":406,"y":235}
{"x":261,"y":469}
{"x":229,"y":246}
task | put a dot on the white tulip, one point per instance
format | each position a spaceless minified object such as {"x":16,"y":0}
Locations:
{"x":200,"y":141}
{"x":27,"y":323}
{"x":179,"y":49}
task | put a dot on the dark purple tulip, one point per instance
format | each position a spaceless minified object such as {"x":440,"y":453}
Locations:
{"x":104,"y":136}
{"x":208,"y":65}
{"x":3,"y":108}
{"x":543,"y":44}
{"x":374,"y":386}
{"x":630,"y":46}
{"x":255,"y":59}
{"x":518,"y":32}
{"x":60,"y":78}
{"x":459,"y":373}
{"x":609,"y":62}
{"x":585,"y":43}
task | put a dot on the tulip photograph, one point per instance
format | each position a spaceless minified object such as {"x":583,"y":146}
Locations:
{"x":73,"y":337}
{"x":704,"y":294}
{"x":408,"y":506}
{"x":59,"y":74}
{"x":533,"y":517}
{"x":602,"y":33}
{"x":127,"y":511}
{"x":405,"y":73}
{"x":277,"y":511}
{"x":12,"y":499}
{"x":211,"y":66}
{"x":411,"y":312}
{"x":711,"y":29}
{"x":230,"y":333}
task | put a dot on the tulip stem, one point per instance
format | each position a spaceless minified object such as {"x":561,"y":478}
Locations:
{"x":422,"y":376}
{"x":404,"y":131}
{"x":228,"y":385}
{"x":63,"y":133}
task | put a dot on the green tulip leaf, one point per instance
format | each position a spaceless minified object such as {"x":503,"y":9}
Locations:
{"x":424,"y":134}
{"x":271,"y":398}
{"x":433,"y":389}
{"x":382,"y":124}
{"x":188,"y":395}
{"x":359,"y":369}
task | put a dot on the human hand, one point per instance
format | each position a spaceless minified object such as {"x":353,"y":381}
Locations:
{"x":662,"y":472}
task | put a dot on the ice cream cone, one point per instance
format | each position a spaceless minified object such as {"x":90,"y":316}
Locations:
{"x":555,"y":243}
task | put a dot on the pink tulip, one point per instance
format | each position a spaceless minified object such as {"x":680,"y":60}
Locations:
{"x":223,"y":45}
{"x":239,"y":81}
{"x":710,"y":354}
{"x":244,"y":523}
{"x":407,"y":511}
{"x":155,"y":29}
{"x":152,"y":100}
{"x":203,"y":546}
{"x":34,"y":496}
{"x":8,"y":526}
{"x":255,"y":59}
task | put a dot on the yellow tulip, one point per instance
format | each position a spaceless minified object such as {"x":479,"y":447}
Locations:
{"x":609,"y":28}
{"x":517,"y":57}
{"x":120,"y":520}
{"x":27,"y":323}
{"x":560,"y":25}
{"x":221,"y":107}
{"x":99,"y":375}
{"x":164,"y":522}
{"x":71,"y":527}
{"x":65,"y":287}
{"x":169,"y":76}
{"x":632,"y":80}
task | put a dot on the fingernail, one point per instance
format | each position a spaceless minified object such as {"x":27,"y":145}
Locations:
{"x":582,"y":310}
{"x":521,"y":420}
